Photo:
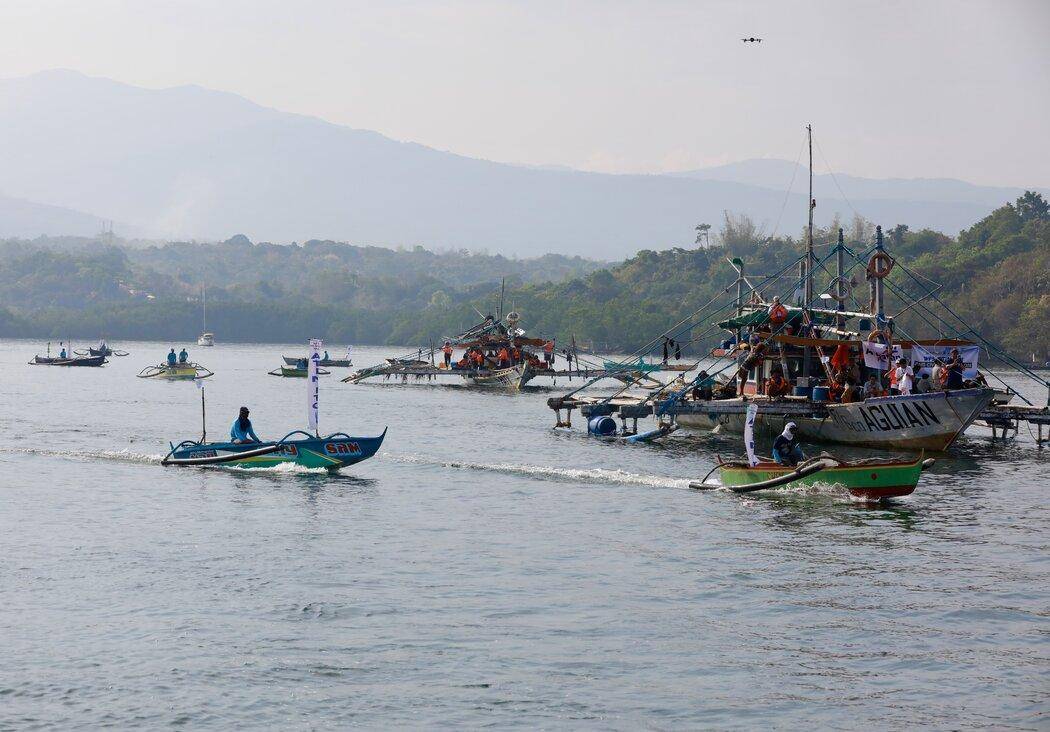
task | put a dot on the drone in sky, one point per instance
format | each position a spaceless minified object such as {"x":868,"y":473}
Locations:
{"x":751,"y":40}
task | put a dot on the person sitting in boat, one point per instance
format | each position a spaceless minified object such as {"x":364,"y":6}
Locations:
{"x":850,"y":392}
{"x":872,"y":388}
{"x":923,"y":384}
{"x":479,"y":359}
{"x":504,"y":358}
{"x":777,"y":386}
{"x":447,"y":350}
{"x":183,"y":356}
{"x":301,"y":363}
{"x":326,"y":356}
{"x":242,"y":431}
{"x":835,"y":389}
{"x":786,"y":448}
{"x":172,"y":358}
{"x":62,"y":353}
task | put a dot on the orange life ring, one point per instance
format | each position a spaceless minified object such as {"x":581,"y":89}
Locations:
{"x":883,"y":259}
{"x":778,"y":313}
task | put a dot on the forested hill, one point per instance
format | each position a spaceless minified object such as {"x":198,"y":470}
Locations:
{"x":995,"y":273}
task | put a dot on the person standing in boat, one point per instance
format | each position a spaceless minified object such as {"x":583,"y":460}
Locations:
{"x":787,"y":449}
{"x":172,"y":358}
{"x":447,"y":350}
{"x":548,"y":353}
{"x":62,"y":353}
{"x":183,"y":356}
{"x":242,"y":430}
{"x":905,"y":377}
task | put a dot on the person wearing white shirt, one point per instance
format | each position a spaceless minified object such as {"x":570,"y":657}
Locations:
{"x":905,"y":377}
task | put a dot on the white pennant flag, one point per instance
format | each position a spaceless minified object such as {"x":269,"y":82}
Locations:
{"x":749,"y":434}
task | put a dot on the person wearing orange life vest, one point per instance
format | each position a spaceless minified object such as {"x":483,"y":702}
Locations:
{"x":778,"y":314}
{"x":548,"y":353}
{"x":447,"y":350}
{"x":504,"y":357}
{"x":777,"y":385}
{"x":479,"y":359}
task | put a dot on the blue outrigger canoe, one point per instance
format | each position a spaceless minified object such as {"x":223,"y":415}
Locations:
{"x":336,"y":451}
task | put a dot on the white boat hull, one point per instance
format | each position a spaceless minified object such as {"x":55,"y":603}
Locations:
{"x":206,"y":339}
{"x":914,"y":422}
{"x":512,"y":378}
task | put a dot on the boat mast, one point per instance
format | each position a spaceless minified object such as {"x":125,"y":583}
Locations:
{"x":839,"y":286}
{"x":809,"y":229}
{"x":204,"y":291}
{"x":806,"y":266}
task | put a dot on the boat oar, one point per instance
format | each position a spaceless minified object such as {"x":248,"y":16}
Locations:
{"x":217,"y":459}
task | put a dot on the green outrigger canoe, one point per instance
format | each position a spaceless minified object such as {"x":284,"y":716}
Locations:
{"x":870,"y":480}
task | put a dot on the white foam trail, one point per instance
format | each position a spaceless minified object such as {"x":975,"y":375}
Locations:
{"x":125,"y":455}
{"x":586,"y":475}
{"x":287,"y":468}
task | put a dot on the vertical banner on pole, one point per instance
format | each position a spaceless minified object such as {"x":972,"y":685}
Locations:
{"x":749,"y":434}
{"x":312,"y":381}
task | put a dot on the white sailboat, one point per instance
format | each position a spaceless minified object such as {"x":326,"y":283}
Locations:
{"x":206,"y":338}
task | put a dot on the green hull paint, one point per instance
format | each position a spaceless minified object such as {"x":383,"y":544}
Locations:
{"x":872,"y":481}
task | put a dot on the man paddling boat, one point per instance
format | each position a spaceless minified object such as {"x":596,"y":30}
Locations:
{"x":787,"y":449}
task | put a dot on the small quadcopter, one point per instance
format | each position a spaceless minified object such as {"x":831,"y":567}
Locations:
{"x":751,"y":40}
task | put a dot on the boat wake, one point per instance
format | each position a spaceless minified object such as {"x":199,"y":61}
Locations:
{"x":124,"y":456}
{"x":542,"y":472}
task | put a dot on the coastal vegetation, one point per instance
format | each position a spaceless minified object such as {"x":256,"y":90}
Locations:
{"x":996,"y":274}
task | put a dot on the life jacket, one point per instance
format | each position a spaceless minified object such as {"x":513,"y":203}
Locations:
{"x":503,"y":355}
{"x":778,"y":313}
{"x":447,"y":349}
{"x":548,"y":347}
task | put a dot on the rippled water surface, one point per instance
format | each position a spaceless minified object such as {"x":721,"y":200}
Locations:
{"x":486,"y":570}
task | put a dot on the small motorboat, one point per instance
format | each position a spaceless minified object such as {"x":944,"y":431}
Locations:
{"x":334,"y":452}
{"x":75,"y":361}
{"x":343,"y":363}
{"x":206,"y":339}
{"x":178,"y":371}
{"x":870,"y":480}
{"x":295,"y":372}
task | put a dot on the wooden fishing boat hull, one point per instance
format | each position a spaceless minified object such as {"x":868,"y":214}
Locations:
{"x":871,"y":481}
{"x":334,"y":452}
{"x":331,"y":362}
{"x":90,"y":361}
{"x":929,"y":422}
{"x":178,"y":372}
{"x":513,"y":378}
{"x":294,"y":373}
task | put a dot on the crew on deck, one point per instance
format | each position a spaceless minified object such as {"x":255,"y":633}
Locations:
{"x":62,"y":353}
{"x":242,"y":430}
{"x":183,"y":356}
{"x":955,"y":368}
{"x":447,"y":351}
{"x":777,"y":386}
{"x":504,"y":358}
{"x":301,"y":363}
{"x":786,"y":448}
{"x":548,"y":353}
{"x":172,"y":358}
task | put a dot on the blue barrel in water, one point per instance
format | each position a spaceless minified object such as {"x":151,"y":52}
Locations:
{"x":820,"y":393}
{"x":602,"y":426}
{"x":803,"y":391}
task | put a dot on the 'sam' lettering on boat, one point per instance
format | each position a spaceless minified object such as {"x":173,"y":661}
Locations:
{"x":342,"y":448}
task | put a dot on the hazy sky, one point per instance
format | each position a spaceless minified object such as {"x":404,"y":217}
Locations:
{"x":893,"y":89}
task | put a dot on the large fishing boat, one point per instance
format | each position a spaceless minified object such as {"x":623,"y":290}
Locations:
{"x":828,"y":361}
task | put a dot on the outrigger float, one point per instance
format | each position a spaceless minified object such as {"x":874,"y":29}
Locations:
{"x":332,"y":452}
{"x":812,"y":349}
{"x":295,"y":372}
{"x":176,"y":372}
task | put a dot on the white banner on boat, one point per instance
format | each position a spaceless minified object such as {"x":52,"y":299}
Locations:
{"x":312,"y":382}
{"x":922,"y":358}
{"x":749,"y":434}
{"x":876,"y":356}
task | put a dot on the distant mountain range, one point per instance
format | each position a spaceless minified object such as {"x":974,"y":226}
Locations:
{"x":189,"y":162}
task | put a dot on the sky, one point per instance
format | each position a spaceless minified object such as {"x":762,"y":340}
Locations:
{"x":893,"y":89}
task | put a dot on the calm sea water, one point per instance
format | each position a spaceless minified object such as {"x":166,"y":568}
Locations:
{"x":486,"y":570}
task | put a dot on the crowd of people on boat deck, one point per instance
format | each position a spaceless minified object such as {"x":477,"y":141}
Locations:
{"x":846,"y":378}
{"x":498,"y":356}
{"x":183,"y":357}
